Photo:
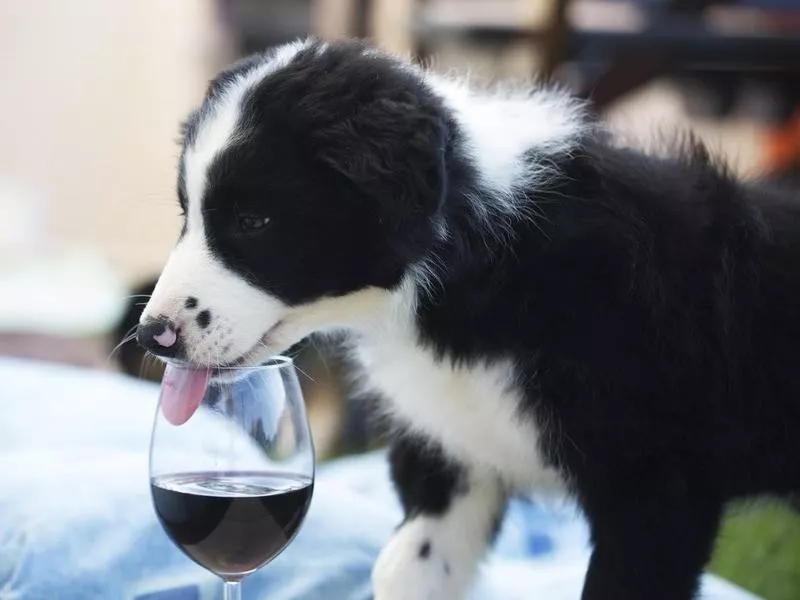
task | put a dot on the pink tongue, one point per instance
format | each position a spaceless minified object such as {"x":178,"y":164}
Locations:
{"x":182,"y":390}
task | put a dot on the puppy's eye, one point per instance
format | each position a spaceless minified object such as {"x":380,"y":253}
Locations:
{"x":248,"y":224}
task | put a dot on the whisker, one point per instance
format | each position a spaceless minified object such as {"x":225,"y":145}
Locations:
{"x":209,"y":357}
{"x":320,"y":354}
{"x":296,"y":367}
{"x":130,"y":335}
{"x":304,"y":374}
{"x":148,"y":356}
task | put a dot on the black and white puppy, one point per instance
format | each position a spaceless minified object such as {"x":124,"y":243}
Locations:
{"x":539,"y":306}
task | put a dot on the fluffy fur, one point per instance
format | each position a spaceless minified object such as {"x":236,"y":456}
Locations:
{"x":539,"y":307}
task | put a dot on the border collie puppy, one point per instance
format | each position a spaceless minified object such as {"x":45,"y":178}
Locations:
{"x":538,"y":305}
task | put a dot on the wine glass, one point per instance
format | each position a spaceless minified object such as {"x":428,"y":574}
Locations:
{"x":231,"y":465}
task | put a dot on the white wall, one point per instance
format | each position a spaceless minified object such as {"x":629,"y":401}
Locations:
{"x":91,"y":94}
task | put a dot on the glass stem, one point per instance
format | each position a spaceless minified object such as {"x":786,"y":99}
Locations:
{"x":232,"y":590}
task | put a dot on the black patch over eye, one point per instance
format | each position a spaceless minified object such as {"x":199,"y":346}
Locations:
{"x":249,"y":223}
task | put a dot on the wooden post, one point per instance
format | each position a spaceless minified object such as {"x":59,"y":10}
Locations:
{"x":333,"y":19}
{"x":391,"y":23}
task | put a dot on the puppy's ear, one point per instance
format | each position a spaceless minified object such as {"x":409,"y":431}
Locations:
{"x":394,"y":152}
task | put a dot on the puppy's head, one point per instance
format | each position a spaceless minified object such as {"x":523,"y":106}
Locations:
{"x":311,"y":179}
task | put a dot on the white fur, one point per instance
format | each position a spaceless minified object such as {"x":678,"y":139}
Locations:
{"x":473,"y":411}
{"x":502,"y":125}
{"x":216,"y":130}
{"x":240,"y":313}
{"x":457,"y":542}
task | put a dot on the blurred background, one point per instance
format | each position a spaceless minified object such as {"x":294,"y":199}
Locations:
{"x":93,"y":93}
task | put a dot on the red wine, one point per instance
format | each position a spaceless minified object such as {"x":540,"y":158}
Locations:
{"x":231,"y":523}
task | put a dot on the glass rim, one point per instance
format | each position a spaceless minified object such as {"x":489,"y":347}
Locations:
{"x":273,"y":362}
{"x":278,"y":361}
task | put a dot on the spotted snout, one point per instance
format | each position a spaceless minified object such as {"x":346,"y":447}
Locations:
{"x":165,"y":336}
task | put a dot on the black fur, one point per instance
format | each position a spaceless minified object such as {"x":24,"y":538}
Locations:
{"x":425,"y":550}
{"x":203,"y":318}
{"x":652,"y":308}
{"x":658,"y":307}
{"x":427,"y":479}
{"x":657,"y":303}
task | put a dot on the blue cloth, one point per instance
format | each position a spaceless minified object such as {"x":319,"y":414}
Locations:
{"x":76,"y":520}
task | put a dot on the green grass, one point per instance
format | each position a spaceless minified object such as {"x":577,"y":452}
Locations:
{"x":759,"y":549}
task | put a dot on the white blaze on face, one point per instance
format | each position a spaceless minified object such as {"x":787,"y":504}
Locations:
{"x":239,"y":314}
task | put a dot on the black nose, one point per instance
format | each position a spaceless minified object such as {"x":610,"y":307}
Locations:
{"x":159,"y":336}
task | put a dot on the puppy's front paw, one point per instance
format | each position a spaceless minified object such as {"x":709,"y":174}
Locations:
{"x":418,"y":565}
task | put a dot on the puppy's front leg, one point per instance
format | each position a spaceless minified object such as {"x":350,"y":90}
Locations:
{"x":452,"y":514}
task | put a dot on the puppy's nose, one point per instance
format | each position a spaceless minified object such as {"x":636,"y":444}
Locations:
{"x":159,"y":336}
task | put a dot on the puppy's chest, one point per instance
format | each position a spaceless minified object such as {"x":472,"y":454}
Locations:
{"x":474,"y":412}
